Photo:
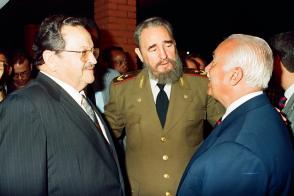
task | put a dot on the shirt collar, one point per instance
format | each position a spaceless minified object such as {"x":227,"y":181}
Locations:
{"x":239,"y":102}
{"x":76,"y":95}
{"x":289,"y":92}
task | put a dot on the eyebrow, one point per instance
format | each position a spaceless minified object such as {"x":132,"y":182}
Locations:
{"x":165,"y":42}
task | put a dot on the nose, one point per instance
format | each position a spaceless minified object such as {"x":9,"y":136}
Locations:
{"x":92,"y":59}
{"x":162,"y":54}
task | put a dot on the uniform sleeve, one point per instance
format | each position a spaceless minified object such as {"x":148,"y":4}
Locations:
{"x":215,"y":110}
{"x":114,"y":113}
{"x":22,"y":149}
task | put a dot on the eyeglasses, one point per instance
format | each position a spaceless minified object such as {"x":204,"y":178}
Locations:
{"x":23,"y":74}
{"x":84,"y":53}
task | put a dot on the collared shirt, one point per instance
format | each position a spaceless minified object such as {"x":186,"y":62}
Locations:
{"x":77,"y":96}
{"x":289,"y":92}
{"x":102,"y":97}
{"x":155,"y":90}
{"x":239,"y":102}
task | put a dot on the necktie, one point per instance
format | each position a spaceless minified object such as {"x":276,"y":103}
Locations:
{"x":89,"y":110}
{"x":161,"y":104}
{"x":218,"y":122}
{"x":282,"y":102}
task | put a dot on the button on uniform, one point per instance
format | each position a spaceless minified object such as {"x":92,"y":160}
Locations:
{"x":163,"y":139}
{"x":166,"y":176}
{"x":165,"y":157}
{"x":167,"y":193}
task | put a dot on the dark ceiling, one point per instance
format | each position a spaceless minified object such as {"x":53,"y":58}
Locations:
{"x":198,"y":24}
{"x":32,"y":11}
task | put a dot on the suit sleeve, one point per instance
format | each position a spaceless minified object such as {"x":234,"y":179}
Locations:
{"x":114,"y":113}
{"x":22,"y":148}
{"x":215,"y":110}
{"x":227,"y":169}
{"x":290,"y":117}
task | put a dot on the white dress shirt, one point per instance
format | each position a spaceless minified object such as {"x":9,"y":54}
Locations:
{"x":155,"y":90}
{"x":289,"y":92}
{"x":77,"y":96}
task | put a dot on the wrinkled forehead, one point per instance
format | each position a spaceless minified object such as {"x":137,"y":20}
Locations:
{"x":154,"y":35}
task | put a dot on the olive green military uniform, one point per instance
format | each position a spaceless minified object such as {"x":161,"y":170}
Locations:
{"x":156,"y":157}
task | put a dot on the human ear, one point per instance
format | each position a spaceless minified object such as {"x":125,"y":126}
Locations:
{"x":139,"y":54}
{"x":236,"y":76}
{"x":49,"y":58}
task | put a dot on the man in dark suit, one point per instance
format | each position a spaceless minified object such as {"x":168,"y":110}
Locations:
{"x":249,"y":152}
{"x":283,"y":47}
{"x":49,"y":145}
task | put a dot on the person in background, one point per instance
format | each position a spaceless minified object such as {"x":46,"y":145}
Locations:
{"x":283,"y":47}
{"x":115,"y":57}
{"x":21,"y":71}
{"x":249,"y":152}
{"x":5,"y":71}
{"x":200,"y":60}
{"x":190,"y":63}
{"x":53,"y":141}
{"x":159,"y":140}
{"x":112,"y":69}
{"x":194,"y":61}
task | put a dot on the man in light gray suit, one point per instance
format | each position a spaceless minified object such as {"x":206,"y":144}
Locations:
{"x":283,"y":48}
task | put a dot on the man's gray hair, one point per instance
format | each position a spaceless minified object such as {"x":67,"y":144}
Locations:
{"x":254,"y":56}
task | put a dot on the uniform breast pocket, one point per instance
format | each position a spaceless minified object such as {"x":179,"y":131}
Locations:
{"x":133,"y":131}
{"x":194,"y":128}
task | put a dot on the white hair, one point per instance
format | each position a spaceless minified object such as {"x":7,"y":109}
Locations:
{"x":254,"y":56}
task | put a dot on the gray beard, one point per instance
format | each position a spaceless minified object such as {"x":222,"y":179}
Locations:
{"x":169,"y":77}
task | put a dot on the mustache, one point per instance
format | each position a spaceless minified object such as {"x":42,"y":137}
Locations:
{"x":173,"y":62}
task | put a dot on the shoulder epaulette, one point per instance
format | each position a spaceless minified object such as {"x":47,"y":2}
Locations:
{"x":126,"y":77}
{"x":194,"y":72}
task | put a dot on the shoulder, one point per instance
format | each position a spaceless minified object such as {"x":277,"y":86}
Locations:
{"x":16,"y":103}
{"x":112,"y":72}
{"x":194,"y":72}
{"x":126,"y":77}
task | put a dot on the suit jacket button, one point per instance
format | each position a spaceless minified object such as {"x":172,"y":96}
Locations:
{"x":166,"y":176}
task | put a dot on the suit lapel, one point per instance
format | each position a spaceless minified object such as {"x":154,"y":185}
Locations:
{"x":251,"y":104}
{"x":289,"y":106}
{"x":77,"y":115}
{"x":180,"y":99}
{"x":143,"y":99}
